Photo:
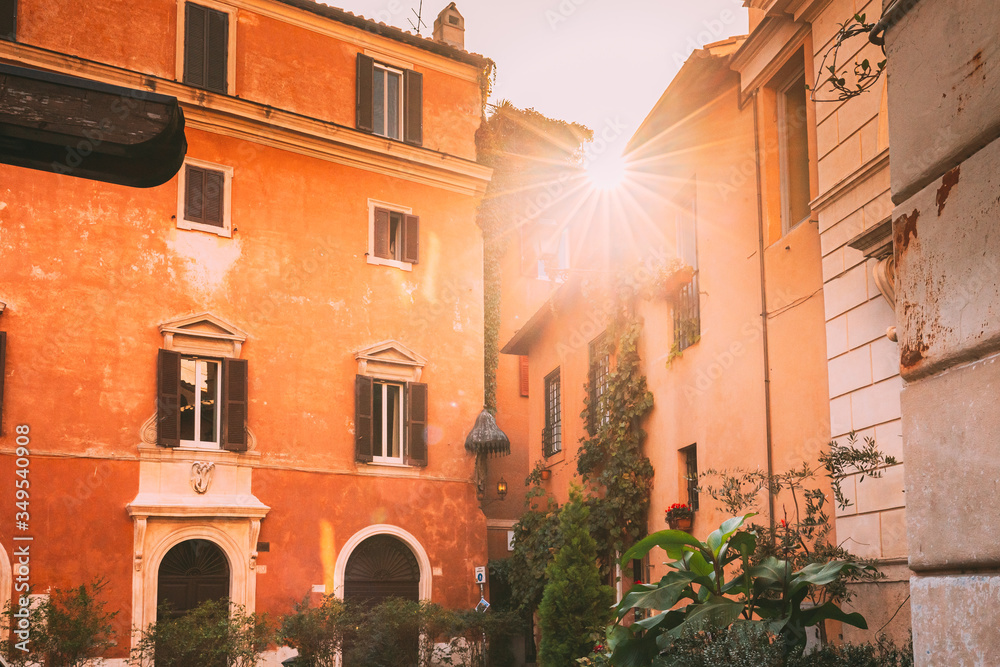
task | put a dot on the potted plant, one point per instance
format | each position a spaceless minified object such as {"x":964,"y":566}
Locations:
{"x":673,"y":276}
{"x":680,"y":516}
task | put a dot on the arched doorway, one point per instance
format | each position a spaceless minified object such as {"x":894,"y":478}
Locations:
{"x":380,"y":567}
{"x":192,"y":572}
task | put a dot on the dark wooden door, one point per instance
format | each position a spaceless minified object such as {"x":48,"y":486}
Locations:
{"x":192,"y":572}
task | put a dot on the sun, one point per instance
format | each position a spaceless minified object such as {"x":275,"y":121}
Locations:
{"x":606,"y":172}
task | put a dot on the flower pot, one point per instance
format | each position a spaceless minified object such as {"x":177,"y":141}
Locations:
{"x":676,"y":280}
{"x":546,"y":474}
{"x":681,"y":523}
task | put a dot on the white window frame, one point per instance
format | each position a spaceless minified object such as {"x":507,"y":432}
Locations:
{"x":226,"y":230}
{"x":370,"y":255}
{"x":230,"y":43}
{"x":378,"y":383}
{"x":383,"y":131}
{"x":197,"y":443}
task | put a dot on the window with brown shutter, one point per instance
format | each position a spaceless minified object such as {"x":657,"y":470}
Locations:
{"x":204,"y":189}
{"x":205,"y":197}
{"x":234,"y":404}
{"x":168,"y":395}
{"x":416,"y":424}
{"x":390,"y":421}
{"x":201,"y":402}
{"x":8,"y":19}
{"x":206,"y":48}
{"x":389,"y":101}
{"x":395,"y":236}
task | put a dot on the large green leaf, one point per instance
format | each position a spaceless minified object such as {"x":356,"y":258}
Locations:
{"x":830,"y":611}
{"x":636,"y":651}
{"x":716,"y":612}
{"x":718,"y":538}
{"x":663,"y":595}
{"x":674,"y":542}
{"x":771,"y":572}
{"x":665,"y":620}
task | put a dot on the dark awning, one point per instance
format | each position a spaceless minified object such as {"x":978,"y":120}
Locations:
{"x":486,"y":437}
{"x":68,"y":125}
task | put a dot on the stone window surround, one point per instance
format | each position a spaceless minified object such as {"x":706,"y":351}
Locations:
{"x":169,"y":509}
{"x":370,"y":255}
{"x":426,"y":573}
{"x":230,"y":46}
{"x":226,"y":230}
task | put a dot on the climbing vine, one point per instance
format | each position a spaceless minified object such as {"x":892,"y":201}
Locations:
{"x":616,"y":475}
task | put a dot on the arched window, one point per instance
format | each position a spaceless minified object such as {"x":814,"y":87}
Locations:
{"x":381,"y":567}
{"x":192,"y":572}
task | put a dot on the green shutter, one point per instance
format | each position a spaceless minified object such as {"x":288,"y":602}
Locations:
{"x":363,"y":409}
{"x":235,"y":382}
{"x":365,"y":111}
{"x":168,"y":399}
{"x":416,"y":424}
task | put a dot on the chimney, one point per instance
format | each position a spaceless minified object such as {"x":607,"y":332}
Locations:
{"x":449,"y":27}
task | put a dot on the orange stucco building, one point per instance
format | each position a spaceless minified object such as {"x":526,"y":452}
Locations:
{"x":275,"y":356}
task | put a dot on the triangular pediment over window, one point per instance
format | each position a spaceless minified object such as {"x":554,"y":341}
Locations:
{"x":392,"y":360}
{"x":203,"y":333}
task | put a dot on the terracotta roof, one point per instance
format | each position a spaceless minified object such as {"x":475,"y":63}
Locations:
{"x":389,"y":31}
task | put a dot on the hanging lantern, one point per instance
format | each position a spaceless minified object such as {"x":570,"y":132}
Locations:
{"x":486,"y":437}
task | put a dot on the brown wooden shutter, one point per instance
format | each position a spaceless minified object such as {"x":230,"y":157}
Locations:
{"x":215,"y":182}
{"x":3,"y":362}
{"x":382,"y":233}
{"x":8,"y":19}
{"x":235,"y":383}
{"x":413,"y":107}
{"x":217,"y":51}
{"x":195,"y":36}
{"x":411,"y":239}
{"x":363,"y":409}
{"x":523,"y":364}
{"x":194,"y":194}
{"x":168,"y":399}
{"x":416,"y":424}
{"x":365,"y":113}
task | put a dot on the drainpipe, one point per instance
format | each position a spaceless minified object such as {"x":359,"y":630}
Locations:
{"x":763,"y":308}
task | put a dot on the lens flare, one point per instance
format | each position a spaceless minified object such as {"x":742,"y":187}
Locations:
{"x":606,"y":172}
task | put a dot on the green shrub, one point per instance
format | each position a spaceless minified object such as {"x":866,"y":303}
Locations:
{"x":575,"y":604}
{"x":398,"y":633}
{"x":211,"y":635}
{"x":69,"y":628}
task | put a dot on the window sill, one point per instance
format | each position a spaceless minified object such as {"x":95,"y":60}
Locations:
{"x":380,"y":261}
{"x":224,"y":232}
{"x":377,"y":468}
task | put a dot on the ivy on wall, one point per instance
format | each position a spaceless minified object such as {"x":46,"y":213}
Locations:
{"x":616,"y":474}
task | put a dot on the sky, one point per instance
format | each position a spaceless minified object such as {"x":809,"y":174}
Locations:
{"x":603,"y":63}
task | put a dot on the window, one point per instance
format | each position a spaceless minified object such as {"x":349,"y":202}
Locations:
{"x":687,"y":303}
{"x":201,"y":395}
{"x":389,"y":101}
{"x":8,"y":19}
{"x":552,"y":250}
{"x":553,"y":415}
{"x":689,"y":460}
{"x":206,"y":48}
{"x":204,"y":195}
{"x":390,"y":423}
{"x":394,"y":236}
{"x":794,"y":152}
{"x":600,"y":366}
{"x":201,"y":402}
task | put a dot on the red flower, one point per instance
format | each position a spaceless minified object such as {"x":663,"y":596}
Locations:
{"x":783,"y":524}
{"x":598,"y":648}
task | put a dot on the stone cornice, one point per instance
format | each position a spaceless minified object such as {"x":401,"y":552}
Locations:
{"x":259,"y":123}
{"x":876,"y":164}
{"x":767,"y":49}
